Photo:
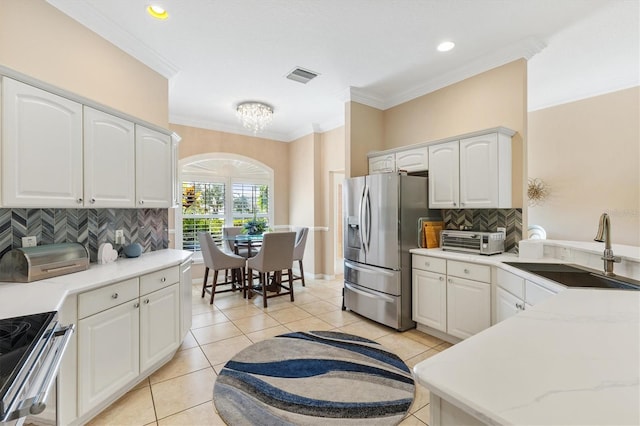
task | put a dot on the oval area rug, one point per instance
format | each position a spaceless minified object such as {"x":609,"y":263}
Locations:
{"x":314,"y":378}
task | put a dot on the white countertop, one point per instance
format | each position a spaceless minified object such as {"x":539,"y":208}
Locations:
{"x":18,"y":299}
{"x":572,"y":359}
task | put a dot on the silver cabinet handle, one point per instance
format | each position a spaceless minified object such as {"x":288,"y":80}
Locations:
{"x":136,"y":305}
{"x":114,"y":295}
{"x":163,"y":279}
{"x":93,"y":201}
{"x":79,"y":201}
{"x":454,"y":203}
{"x":466,"y":271}
{"x":449,"y":280}
{"x":441,"y":278}
{"x":427,"y":264}
{"x":141,"y":201}
{"x":146,"y":301}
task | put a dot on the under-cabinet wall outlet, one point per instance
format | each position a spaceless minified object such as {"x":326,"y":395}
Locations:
{"x":29,"y":241}
{"x":119,"y":236}
{"x":501,"y":229}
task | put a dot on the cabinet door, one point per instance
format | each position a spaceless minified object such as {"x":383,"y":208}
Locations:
{"x":507,"y":305}
{"x":108,"y":353}
{"x":159,"y":325}
{"x":479,"y":172}
{"x":429,"y":299}
{"x":468,"y":307}
{"x":153,"y":168}
{"x":41,"y":148}
{"x":383,"y":163}
{"x":444,"y":175}
{"x":185,"y":298}
{"x":413,"y":160}
{"x":109,"y":160}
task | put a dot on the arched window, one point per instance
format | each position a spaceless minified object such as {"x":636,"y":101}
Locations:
{"x":218,"y":190}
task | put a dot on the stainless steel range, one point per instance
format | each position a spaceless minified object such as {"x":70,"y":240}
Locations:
{"x":31,"y":349}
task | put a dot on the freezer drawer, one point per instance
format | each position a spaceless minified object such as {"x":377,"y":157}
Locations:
{"x":374,"y":305}
{"x":378,"y":279}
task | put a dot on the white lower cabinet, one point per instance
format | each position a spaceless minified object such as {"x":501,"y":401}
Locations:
{"x":125,"y":329}
{"x":447,"y":302}
{"x":108,"y":353}
{"x":507,"y":305}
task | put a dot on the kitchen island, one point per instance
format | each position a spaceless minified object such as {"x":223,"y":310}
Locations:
{"x":572,"y":359}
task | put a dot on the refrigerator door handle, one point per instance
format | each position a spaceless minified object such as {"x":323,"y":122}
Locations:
{"x":384,"y":297}
{"x":361,"y":228}
{"x":367,"y":218}
{"x":377,"y":271}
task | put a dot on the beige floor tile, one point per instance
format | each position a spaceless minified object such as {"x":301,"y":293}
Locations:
{"x":229,"y":300}
{"x":222,"y":351}
{"x":188,"y":342}
{"x":178,"y":394}
{"x":337,"y":301}
{"x":243,"y":311}
{"x":293,"y":313}
{"x":309,"y":324}
{"x":339,"y":318}
{"x":424,"y":414}
{"x":215,"y":332}
{"x":134,"y":408}
{"x":424,"y":338}
{"x":274,"y":304}
{"x":203,"y":414}
{"x":421,"y":398}
{"x":208,"y":318}
{"x":182,"y":363}
{"x":367,"y":329}
{"x":257,"y":336}
{"x":255,"y":323}
{"x":325,"y":293}
{"x":402,"y":346}
{"x":317,"y":308}
{"x":142,"y":384}
{"x":201,"y":307}
{"x":411,"y":420}
{"x":411,"y":362}
{"x":304,"y":297}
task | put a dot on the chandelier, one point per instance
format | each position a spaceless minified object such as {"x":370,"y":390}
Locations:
{"x":254,"y":115}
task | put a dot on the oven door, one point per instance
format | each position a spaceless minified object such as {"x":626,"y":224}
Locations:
{"x":35,"y":400}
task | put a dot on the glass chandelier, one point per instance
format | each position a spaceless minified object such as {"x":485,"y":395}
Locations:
{"x":254,"y":115}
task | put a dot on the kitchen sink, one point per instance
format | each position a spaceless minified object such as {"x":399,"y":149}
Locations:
{"x":576,"y":276}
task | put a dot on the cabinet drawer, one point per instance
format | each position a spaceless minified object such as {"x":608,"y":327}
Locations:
{"x":159,"y":279}
{"x":535,"y":293}
{"x":94,"y":301}
{"x":425,"y":263}
{"x":469,"y":271}
{"x":510,"y":282}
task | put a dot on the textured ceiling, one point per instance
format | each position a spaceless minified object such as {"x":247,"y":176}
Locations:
{"x":218,"y":53}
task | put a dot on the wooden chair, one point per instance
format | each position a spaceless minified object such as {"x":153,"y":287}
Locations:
{"x":275,"y":256}
{"x":217,"y":260}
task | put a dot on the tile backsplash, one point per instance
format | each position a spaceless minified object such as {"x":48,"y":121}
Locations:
{"x":90,"y":227}
{"x":487,"y":220}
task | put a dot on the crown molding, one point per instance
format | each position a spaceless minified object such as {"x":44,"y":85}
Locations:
{"x":91,"y":18}
{"x":362,"y":96}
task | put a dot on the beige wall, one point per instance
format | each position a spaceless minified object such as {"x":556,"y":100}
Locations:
{"x":588,"y":152}
{"x":497,"y":97}
{"x":364,"y":132}
{"x":38,"y":40}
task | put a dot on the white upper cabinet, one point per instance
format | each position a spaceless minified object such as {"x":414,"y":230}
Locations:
{"x":41,"y":148}
{"x":444,"y":175}
{"x":109,"y":160}
{"x":382,"y":163}
{"x":153,"y":168}
{"x":413,"y":160}
{"x":472,"y":173}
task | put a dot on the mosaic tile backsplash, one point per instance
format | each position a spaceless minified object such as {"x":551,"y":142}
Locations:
{"x":90,"y":227}
{"x":487,"y":220}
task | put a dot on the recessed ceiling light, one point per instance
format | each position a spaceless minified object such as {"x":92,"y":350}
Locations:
{"x":157,"y":12}
{"x":446,"y":46}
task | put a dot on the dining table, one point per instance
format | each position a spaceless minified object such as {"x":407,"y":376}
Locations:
{"x":251,"y":242}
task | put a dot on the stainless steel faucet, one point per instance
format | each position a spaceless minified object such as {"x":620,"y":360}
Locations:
{"x":604,"y":236}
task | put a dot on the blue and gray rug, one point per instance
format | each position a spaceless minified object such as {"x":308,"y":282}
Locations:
{"x":314,"y":378}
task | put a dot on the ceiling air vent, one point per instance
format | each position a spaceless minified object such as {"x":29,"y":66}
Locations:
{"x":301,"y":75}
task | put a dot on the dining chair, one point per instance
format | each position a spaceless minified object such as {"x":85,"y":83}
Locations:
{"x":217,"y":260}
{"x":232,"y":231}
{"x":275,"y":255}
{"x":298,"y":251}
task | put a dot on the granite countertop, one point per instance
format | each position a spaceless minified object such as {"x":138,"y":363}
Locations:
{"x":571,"y":359}
{"x":18,"y":299}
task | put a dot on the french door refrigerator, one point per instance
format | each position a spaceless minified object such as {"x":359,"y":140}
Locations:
{"x":381,"y":214}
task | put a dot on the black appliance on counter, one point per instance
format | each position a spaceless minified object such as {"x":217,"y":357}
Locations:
{"x":31,"y":349}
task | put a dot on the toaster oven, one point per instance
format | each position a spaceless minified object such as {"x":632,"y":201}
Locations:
{"x":472,"y":241}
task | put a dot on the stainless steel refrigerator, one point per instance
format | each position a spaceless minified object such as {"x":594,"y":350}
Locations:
{"x":381,"y":214}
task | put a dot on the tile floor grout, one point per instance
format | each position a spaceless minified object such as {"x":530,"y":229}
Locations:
{"x":233,"y":323}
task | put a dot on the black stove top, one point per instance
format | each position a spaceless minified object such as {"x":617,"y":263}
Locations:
{"x":18,"y":336}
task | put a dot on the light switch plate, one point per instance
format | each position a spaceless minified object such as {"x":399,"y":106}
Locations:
{"x":29,"y":241}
